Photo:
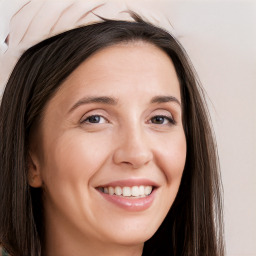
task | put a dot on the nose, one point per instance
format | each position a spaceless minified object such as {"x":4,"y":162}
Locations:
{"x":133,"y":149}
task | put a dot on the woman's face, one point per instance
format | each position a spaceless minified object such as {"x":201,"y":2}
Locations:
{"x":110,"y":135}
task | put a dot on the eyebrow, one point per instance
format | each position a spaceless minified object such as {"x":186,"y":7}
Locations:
{"x":163,"y":99}
{"x":88,"y":100}
{"x":112,"y":101}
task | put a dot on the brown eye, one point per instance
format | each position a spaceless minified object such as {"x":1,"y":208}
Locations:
{"x":162,"y":120}
{"x":95,"y":119}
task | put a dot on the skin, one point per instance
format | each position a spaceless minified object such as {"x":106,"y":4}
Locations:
{"x":76,"y":156}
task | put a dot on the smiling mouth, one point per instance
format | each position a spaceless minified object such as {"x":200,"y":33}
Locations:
{"x":131,"y":192}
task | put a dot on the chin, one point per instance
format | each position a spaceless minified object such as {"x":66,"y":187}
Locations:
{"x":133,"y":239}
{"x":133,"y":233}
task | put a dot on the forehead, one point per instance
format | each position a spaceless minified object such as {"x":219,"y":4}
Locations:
{"x":140,"y":64}
{"x":136,"y":70}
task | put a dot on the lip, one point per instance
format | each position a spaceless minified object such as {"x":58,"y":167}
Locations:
{"x":130,"y":183}
{"x":130,"y":203}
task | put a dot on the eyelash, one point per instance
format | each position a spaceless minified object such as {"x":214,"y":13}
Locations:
{"x":168,"y":118}
{"x":86,"y":120}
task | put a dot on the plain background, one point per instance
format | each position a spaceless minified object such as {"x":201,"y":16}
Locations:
{"x":220,"y":38}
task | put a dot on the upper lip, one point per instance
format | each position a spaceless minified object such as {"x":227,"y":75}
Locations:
{"x":130,"y":183}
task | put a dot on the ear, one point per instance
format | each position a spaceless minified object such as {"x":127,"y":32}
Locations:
{"x":34,"y":174}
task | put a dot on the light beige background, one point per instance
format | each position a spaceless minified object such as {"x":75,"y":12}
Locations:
{"x":220,"y":38}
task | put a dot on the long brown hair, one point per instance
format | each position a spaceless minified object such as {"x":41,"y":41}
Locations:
{"x":193,"y":225}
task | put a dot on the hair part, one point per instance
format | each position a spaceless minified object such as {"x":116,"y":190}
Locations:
{"x":193,"y":225}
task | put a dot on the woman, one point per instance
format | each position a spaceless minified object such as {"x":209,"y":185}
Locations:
{"x":106,"y":148}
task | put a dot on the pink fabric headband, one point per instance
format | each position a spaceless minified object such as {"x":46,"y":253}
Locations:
{"x":24,"y":23}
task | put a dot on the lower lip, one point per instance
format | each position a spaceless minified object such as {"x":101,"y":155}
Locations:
{"x":131,"y":204}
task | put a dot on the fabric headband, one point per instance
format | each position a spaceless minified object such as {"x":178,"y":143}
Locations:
{"x":24,"y":23}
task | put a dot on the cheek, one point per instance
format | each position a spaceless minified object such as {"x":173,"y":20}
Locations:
{"x":71,"y":159}
{"x":172,"y":157}
{"x":69,"y":166}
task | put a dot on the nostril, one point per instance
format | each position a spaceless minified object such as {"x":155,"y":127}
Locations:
{"x":124,"y":162}
{"x":6,"y":41}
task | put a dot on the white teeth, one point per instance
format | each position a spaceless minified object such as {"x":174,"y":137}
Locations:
{"x":111,"y":191}
{"x":141,"y":190}
{"x":118,"y":191}
{"x":126,"y":191}
{"x":148,"y":190}
{"x":135,"y":191}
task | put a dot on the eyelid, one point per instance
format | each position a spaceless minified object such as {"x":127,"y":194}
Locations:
{"x":165,"y":113}
{"x":93,"y":113}
{"x":170,"y":119}
{"x":84,"y":121}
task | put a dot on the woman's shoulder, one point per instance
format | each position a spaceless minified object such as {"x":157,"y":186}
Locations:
{"x":3,"y":252}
